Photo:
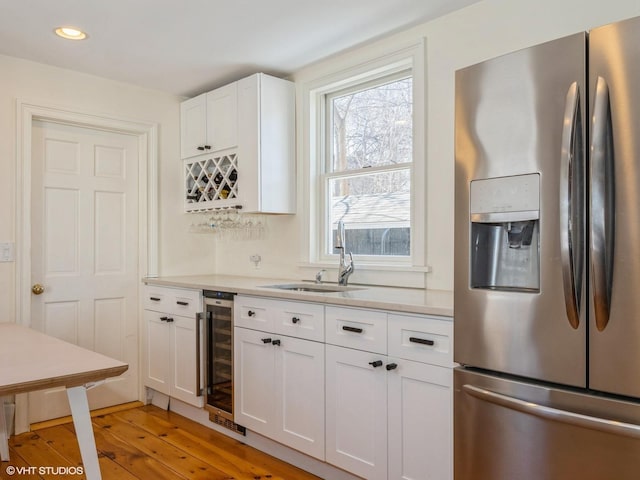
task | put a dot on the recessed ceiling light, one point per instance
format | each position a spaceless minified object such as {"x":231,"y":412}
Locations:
{"x":70,"y":33}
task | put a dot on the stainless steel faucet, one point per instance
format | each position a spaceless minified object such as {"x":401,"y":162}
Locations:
{"x":344,"y":270}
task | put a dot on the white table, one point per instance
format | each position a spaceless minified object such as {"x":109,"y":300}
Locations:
{"x":31,"y":360}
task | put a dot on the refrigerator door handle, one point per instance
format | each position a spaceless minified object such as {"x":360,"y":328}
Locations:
{"x":553,"y":414}
{"x":602,"y":204}
{"x":568,"y":249}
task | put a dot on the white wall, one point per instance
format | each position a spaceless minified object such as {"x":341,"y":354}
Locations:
{"x":479,"y":32}
{"x":73,"y":91}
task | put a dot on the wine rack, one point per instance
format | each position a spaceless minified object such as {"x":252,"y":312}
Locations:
{"x":211,"y":181}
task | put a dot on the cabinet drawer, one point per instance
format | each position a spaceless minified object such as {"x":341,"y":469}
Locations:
{"x":419,"y":338}
{"x":176,"y":301}
{"x":253,"y":312}
{"x":299,"y":319}
{"x":355,"y":328}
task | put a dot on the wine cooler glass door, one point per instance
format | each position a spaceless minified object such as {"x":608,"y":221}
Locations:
{"x":220,"y":356}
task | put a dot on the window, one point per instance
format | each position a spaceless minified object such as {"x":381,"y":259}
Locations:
{"x":367,"y":167}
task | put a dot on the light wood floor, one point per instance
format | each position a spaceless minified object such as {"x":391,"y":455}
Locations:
{"x":147,"y":443}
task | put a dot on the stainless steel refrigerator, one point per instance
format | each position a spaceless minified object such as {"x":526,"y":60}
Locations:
{"x":547,"y":261}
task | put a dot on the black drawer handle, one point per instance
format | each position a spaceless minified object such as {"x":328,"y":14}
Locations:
{"x":422,"y":341}
{"x":155,"y":299}
{"x":377,"y":363}
{"x":164,"y":319}
{"x":295,"y":319}
{"x":276,"y":342}
{"x":251,"y":313}
{"x":266,"y":340}
{"x":351,"y":329}
{"x":184,"y":304}
{"x":391,"y":366}
{"x":200,"y":148}
{"x":207,"y":147}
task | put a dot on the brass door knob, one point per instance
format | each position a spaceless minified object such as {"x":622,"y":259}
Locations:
{"x":37,"y":289}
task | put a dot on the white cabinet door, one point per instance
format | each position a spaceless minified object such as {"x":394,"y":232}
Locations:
{"x":193,"y":126}
{"x":157,"y":351}
{"x":356,"y":412}
{"x":185,"y":361}
{"x":222,"y":118}
{"x":254,"y":377}
{"x":299,"y":393}
{"x":420,"y":421}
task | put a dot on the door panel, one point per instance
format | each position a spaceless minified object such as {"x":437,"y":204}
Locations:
{"x":614,"y":360}
{"x":254,"y":371}
{"x":356,"y":406}
{"x":84,"y":251}
{"x":300,"y":393}
{"x":510,"y":113}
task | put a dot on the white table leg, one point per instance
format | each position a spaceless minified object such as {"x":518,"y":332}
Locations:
{"x":84,"y":431}
{"x":4,"y":435}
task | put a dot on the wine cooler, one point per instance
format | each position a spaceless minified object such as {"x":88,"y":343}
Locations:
{"x":218,"y":340}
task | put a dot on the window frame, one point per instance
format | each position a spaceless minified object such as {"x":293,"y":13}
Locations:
{"x":407,"y":58}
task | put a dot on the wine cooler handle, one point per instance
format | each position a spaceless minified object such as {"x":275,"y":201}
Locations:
{"x":602,"y":204}
{"x":199,"y":317}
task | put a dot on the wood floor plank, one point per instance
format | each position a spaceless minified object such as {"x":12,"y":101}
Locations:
{"x":64,"y":441}
{"x":238,"y":449}
{"x":37,"y":452}
{"x":146,"y":443}
{"x":177,"y":460}
{"x":133,"y":460}
{"x":207,"y":451}
{"x":17,"y":462}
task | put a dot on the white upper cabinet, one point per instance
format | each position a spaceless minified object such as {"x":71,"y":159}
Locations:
{"x":266,"y":132}
{"x":209,"y":122}
{"x":222,"y":117}
{"x":238,"y":147}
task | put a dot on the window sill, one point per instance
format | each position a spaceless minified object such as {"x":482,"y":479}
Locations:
{"x":369,"y":267}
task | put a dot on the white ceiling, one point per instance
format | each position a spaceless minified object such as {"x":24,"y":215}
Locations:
{"x":186,"y":47}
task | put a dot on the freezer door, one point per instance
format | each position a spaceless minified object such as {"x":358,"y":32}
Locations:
{"x":506,"y":430}
{"x":614,"y":330}
{"x":521,"y":117}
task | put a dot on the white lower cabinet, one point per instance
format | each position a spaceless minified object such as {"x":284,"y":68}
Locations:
{"x":171,"y":343}
{"x":375,"y":399}
{"x":279,"y":390}
{"x":419,"y":414}
{"x":356,"y":406}
{"x":388,"y":417}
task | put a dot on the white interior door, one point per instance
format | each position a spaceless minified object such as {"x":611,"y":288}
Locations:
{"x":84,"y":252}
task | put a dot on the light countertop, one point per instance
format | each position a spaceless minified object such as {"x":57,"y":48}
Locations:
{"x":407,"y":300}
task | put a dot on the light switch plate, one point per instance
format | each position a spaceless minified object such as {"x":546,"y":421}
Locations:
{"x":7,"y":252}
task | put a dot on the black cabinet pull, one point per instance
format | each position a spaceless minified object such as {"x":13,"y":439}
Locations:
{"x":155,"y":299}
{"x":164,"y":319}
{"x":422,"y":341}
{"x":295,"y":319}
{"x":184,"y":304}
{"x":169,"y":320}
{"x":276,"y":342}
{"x":200,"y":148}
{"x":377,"y":363}
{"x":251,"y":313}
{"x":351,"y":329}
{"x":391,"y":366}
{"x":207,"y":147}
{"x":266,"y":340}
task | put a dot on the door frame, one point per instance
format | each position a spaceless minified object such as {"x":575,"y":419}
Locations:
{"x":147,"y":135}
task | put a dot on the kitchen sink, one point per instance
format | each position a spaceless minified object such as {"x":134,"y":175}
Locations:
{"x":313,"y":287}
